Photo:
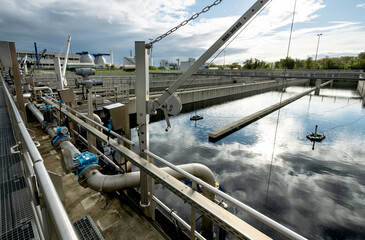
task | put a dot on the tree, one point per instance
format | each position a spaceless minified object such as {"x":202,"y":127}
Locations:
{"x":299,"y":64}
{"x":361,"y":55}
{"x":212,"y":65}
{"x":332,"y":63}
{"x":255,"y":64}
{"x":152,"y":68}
{"x":235,"y":65}
{"x":309,"y":64}
{"x":361,"y":64}
{"x":287,"y":63}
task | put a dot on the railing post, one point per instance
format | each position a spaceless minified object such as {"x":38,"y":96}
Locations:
{"x":318,"y":85}
{"x":143,"y":117}
{"x":193,"y":215}
{"x":17,"y":81}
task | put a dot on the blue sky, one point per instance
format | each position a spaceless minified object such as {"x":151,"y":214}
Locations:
{"x":100,"y":26}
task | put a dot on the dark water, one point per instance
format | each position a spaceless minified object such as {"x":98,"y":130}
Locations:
{"x":318,"y":193}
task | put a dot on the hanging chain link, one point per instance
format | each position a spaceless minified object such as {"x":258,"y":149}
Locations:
{"x":183,"y":23}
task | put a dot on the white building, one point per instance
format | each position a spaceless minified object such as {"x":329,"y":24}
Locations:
{"x":132,"y":61}
{"x":184,"y":66}
{"x":47,"y":61}
{"x":164,"y":63}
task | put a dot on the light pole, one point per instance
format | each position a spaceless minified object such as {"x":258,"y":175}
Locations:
{"x":315,"y":60}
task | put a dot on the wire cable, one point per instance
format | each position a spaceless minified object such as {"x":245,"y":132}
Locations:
{"x":278,"y":117}
{"x":238,"y":33}
{"x":344,"y":125}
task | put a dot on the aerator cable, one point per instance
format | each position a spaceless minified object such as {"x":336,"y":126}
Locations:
{"x":278,"y":116}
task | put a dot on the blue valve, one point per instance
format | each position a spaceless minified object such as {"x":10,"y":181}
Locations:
{"x":83,"y":161}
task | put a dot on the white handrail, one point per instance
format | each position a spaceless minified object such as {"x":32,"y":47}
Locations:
{"x":259,"y":216}
{"x":96,"y":123}
{"x":54,"y":205}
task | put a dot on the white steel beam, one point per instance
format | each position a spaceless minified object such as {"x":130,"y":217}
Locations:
{"x":143,"y":117}
{"x":251,"y":12}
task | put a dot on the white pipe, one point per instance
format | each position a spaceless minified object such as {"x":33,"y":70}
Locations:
{"x":52,"y":100}
{"x":111,"y":183}
{"x":268,"y":221}
{"x":35,"y":112}
{"x":42,"y":88}
{"x":55,"y":208}
{"x":65,"y":62}
{"x":98,"y":120}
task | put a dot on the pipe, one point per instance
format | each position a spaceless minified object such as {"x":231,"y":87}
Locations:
{"x":97,"y":119}
{"x":55,"y":208}
{"x":111,"y":183}
{"x":42,"y":88}
{"x":259,"y":216}
{"x":52,"y":101}
{"x":100,"y":153}
{"x":35,"y":112}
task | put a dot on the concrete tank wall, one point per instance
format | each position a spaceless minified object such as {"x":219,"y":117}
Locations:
{"x":199,"y":95}
{"x":361,"y":89}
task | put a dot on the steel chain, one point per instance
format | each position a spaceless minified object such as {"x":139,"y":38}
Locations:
{"x":183,"y":23}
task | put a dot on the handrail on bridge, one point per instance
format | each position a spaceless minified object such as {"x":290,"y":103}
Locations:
{"x":59,"y":217}
{"x":89,"y":119}
{"x":287,"y":232}
{"x":259,"y":216}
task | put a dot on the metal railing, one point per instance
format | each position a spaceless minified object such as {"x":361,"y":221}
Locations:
{"x":133,"y":158}
{"x":111,"y":132}
{"x":259,"y":216}
{"x":37,"y":174}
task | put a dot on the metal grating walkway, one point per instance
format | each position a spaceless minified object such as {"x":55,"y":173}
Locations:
{"x":87,"y":230}
{"x":16,"y":217}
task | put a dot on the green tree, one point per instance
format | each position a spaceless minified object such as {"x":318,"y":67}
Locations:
{"x":309,"y":64}
{"x":299,"y":64}
{"x":235,"y":65}
{"x":361,"y":64}
{"x":361,"y":55}
{"x":212,"y":65}
{"x":287,"y":63}
{"x":152,"y":68}
{"x":255,"y":64}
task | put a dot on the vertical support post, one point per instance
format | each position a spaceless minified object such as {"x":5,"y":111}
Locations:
{"x":111,"y":58}
{"x":65,"y":62}
{"x":57,"y":68}
{"x":36,"y":54}
{"x":318,"y":86}
{"x":91,"y":141}
{"x":143,"y":118}
{"x":193,"y":216}
{"x":17,"y":81}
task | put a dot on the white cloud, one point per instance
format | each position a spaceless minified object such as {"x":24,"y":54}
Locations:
{"x":104,"y":25}
{"x":361,"y":5}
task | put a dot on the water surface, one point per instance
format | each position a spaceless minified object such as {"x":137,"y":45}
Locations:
{"x":318,"y":193}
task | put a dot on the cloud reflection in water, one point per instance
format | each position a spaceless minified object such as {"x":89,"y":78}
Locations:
{"x":319,"y":194}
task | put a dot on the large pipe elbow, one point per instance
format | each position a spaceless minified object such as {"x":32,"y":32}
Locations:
{"x":111,"y":183}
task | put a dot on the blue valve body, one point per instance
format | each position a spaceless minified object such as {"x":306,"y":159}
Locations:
{"x":83,"y":161}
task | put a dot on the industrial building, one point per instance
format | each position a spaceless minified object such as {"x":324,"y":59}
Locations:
{"x":47,"y":61}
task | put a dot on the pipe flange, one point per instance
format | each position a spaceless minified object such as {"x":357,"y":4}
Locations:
{"x":57,"y":140}
{"x":86,"y":173}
